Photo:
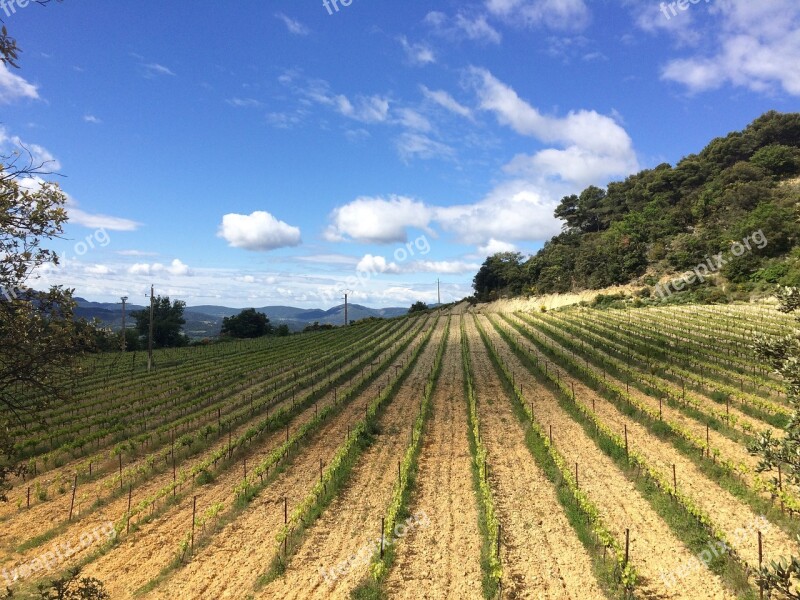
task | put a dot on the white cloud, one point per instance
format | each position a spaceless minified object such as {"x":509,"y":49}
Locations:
{"x":494,"y":246}
{"x":554,"y":14}
{"x":417,"y":53}
{"x":596,"y":146}
{"x":442,"y":267}
{"x":376,"y":264}
{"x":99,"y":221}
{"x":13,"y":87}
{"x":517,"y":210}
{"x":176,"y":268}
{"x":447,"y":102}
{"x":587,"y":149}
{"x":98,"y":270}
{"x":293,"y":25}
{"x":377,"y":220}
{"x":755,"y":45}
{"x":76,"y":215}
{"x":259,"y":231}
{"x":140,"y":269}
{"x":37,"y":156}
{"x":92,"y":119}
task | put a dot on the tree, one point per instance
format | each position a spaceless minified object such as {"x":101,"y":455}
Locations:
{"x":168,"y":322}
{"x":499,"y":274}
{"x":783,"y":354}
{"x":586,"y":212}
{"x":40,"y":343}
{"x":282,"y":330}
{"x":418,"y":307}
{"x":317,"y":327}
{"x":73,"y":587}
{"x":247,"y":324}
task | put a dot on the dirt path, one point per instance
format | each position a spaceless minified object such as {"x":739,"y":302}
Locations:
{"x":353,"y":519}
{"x":443,"y":560}
{"x":731,"y":515}
{"x":541,"y":554}
{"x":655,"y":550}
{"x":153,"y":547}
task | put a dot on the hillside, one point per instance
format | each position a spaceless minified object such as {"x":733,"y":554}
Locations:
{"x":737,"y":200}
{"x":206,"y":320}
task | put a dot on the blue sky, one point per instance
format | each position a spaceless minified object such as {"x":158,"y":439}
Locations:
{"x":251,"y":153}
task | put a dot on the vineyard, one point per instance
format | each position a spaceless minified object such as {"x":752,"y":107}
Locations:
{"x":463,"y":453}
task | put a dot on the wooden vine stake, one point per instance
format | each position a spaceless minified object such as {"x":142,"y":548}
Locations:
{"x":72,"y":503}
{"x":760,"y":565}
{"x":194,"y":518}
{"x":130,"y":496}
{"x":627,"y":546}
{"x":675,"y":479}
{"x":627,"y":453}
{"x":383,"y":532}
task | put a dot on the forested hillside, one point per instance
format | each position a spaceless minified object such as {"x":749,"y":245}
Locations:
{"x":667,"y":220}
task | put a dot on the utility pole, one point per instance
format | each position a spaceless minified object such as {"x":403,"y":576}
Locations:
{"x":150,"y":337}
{"x":346,"y":321}
{"x":124,"y":300}
{"x":439,"y":291}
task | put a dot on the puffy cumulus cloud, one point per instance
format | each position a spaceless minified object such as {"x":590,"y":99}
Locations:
{"x":258,"y":232}
{"x":753,"y":45}
{"x":13,"y":87}
{"x":178,"y":268}
{"x":376,"y":264}
{"x":377,"y":220}
{"x":554,"y":14}
{"x":514,"y":211}
{"x":494,"y":246}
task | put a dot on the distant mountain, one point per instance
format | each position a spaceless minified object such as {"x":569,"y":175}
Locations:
{"x":206,"y":320}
